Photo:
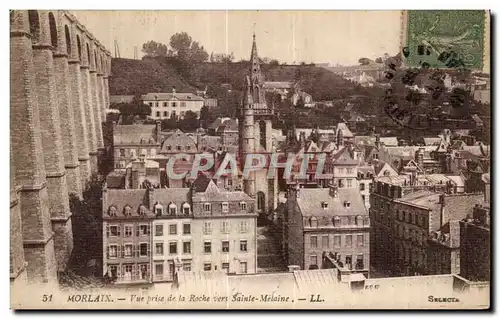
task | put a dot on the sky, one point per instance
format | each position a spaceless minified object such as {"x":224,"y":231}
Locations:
{"x":289,"y":36}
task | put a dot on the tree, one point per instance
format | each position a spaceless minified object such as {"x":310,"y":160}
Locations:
{"x":198,"y":53}
{"x":379,"y":60}
{"x":181,"y":44}
{"x":154,"y":49}
{"x":274,"y":62}
{"x":189,"y":122}
{"x":206,"y":117}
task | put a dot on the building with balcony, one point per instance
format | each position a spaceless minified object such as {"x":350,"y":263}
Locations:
{"x":324,"y":221}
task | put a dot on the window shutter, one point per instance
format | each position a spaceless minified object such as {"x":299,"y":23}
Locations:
{"x":118,"y":271}
{"x":148,"y":270}
{"x":134,"y":272}
{"x":137,"y":230}
{"x":149,"y":250}
{"x":122,"y":248}
{"x":107,"y":230}
{"x":138,"y":250}
{"x":149,"y":229}
{"x":119,"y":227}
{"x":107,"y":252}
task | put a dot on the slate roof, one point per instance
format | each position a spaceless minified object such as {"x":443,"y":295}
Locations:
{"x":429,"y":141}
{"x":278,"y":85}
{"x":119,"y":198}
{"x":178,"y":196}
{"x":171,"y":97}
{"x":310,"y":199}
{"x":345,"y":130}
{"x":343,"y":157}
{"x":132,"y":134}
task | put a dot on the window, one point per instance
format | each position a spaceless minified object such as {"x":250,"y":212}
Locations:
{"x":178,"y":147}
{"x":159,"y":270}
{"x":225,"y":267}
{"x":349,"y":170}
{"x":224,"y":227}
{"x":207,"y":207}
{"x":336,"y":221}
{"x":186,"y":209}
{"x":174,"y":104}
{"x":348,"y":260}
{"x":361,"y":186}
{"x":348,"y":240}
{"x":172,"y":209}
{"x":243,"y":226}
{"x":324,"y":205}
{"x":340,"y":183}
{"x":314,"y":222}
{"x":159,"y":230}
{"x":207,"y":247}
{"x":207,"y":266}
{"x":127,"y":272}
{"x":122,"y":152}
{"x":165,"y":113}
{"x":143,"y":250}
{"x":186,"y":265}
{"x":225,"y":207}
{"x":243,"y":245}
{"x":112,"y":251}
{"x":347,"y":204}
{"x":143,"y":230}
{"x":225,"y":246}
{"x":151,"y":104}
{"x":360,"y":262}
{"x":114,"y":231}
{"x":169,"y":147}
{"x":159,"y":249}
{"x":182,"y":113}
{"x":325,"y":242}
{"x":314,"y":260}
{"x":243,"y":205}
{"x":349,"y":183}
{"x":183,"y":104}
{"x":128,"y":231}
{"x":158,"y":113}
{"x":165,"y":104}
{"x":207,"y":228}
{"x":243,"y":267}
{"x":172,"y":247}
{"x":314,"y":241}
{"x":360,"y":240}
{"x":128,"y":250}
{"x":186,"y":247}
{"x":359,"y":220}
{"x":186,"y":229}
{"x":172,"y":229}
{"x":363,"y":197}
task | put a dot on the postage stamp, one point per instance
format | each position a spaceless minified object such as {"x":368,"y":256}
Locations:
{"x":241,"y":160}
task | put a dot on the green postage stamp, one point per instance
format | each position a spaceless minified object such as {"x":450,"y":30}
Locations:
{"x":436,"y":35}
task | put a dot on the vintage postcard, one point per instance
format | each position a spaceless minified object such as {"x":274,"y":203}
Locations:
{"x":250,"y":159}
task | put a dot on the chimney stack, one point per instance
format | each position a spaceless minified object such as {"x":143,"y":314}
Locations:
{"x":334,"y":191}
{"x":151,"y":197}
{"x":158,"y":131}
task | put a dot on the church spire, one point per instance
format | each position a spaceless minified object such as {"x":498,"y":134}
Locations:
{"x":254,"y":60}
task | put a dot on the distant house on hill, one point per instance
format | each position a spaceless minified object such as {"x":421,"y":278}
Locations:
{"x":168,"y":105}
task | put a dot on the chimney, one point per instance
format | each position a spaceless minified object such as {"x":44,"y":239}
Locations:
{"x":158,"y":131}
{"x":151,"y":198}
{"x":419,"y":157}
{"x":377,"y":141}
{"x":173,"y":91}
{"x":340,"y":138}
{"x":441,"y":213}
{"x":302,"y":139}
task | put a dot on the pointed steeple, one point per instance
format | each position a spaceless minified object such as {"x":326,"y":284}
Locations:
{"x":254,"y":60}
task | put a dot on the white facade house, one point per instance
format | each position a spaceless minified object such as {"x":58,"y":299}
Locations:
{"x":167,"y":105}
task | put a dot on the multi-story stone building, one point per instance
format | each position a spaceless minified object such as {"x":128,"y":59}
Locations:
{"x":405,"y":210}
{"x":172,"y":105}
{"x":321,"y":222}
{"x":127,"y":221}
{"x":202,"y":227}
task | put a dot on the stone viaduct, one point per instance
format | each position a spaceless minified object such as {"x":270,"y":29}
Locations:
{"x":58,"y":100}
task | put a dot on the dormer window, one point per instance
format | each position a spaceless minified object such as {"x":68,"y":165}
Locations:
{"x":324,"y":205}
{"x":127,"y":210}
{"x":314,"y":222}
{"x":158,"y":210}
{"x":243,"y":206}
{"x":207,"y":207}
{"x":172,"y":209}
{"x":336,"y":221}
{"x":359,"y":220}
{"x":225,"y":207}
{"x":112,"y":211}
{"x":186,"y":209}
{"x":347,"y":204}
